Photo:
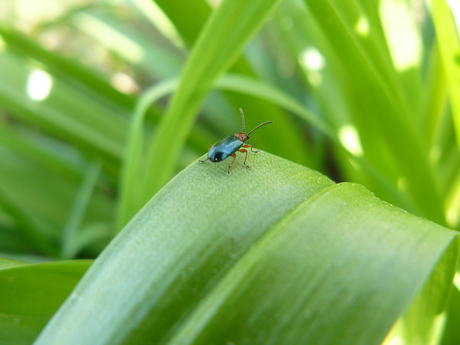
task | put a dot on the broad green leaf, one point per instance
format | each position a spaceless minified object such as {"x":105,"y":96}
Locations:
{"x":276,"y":254}
{"x":31,"y":293}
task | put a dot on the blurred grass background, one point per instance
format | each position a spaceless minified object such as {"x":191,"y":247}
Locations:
{"x":359,"y":90}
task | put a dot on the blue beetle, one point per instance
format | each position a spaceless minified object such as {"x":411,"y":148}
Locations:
{"x":231,"y":144}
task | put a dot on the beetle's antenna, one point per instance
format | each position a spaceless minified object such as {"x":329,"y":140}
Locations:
{"x":242,"y":120}
{"x":262,"y":124}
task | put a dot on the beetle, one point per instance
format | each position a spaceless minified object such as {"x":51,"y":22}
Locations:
{"x":231,"y":144}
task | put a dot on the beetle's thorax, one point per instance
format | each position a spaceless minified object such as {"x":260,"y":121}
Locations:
{"x":242,"y":136}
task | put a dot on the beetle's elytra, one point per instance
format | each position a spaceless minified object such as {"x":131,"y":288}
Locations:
{"x":231,"y":144}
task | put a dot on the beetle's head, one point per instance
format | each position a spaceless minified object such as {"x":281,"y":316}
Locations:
{"x":242,"y":136}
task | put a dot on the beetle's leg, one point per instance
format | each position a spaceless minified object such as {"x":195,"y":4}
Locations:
{"x":234,"y":157}
{"x":245,"y":158}
{"x":252,"y":148}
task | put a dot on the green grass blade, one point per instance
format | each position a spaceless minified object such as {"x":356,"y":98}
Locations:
{"x":435,"y":99}
{"x":73,"y":108}
{"x":452,"y":202}
{"x":178,"y":12}
{"x":293,"y":146}
{"x":221,"y":42}
{"x":260,"y":89}
{"x":447,"y":27}
{"x":69,"y":70}
{"x":132,"y":43}
{"x":133,"y":168}
{"x":75,"y":221}
{"x":452,"y":332}
{"x":40,"y":178}
{"x":383,"y":119}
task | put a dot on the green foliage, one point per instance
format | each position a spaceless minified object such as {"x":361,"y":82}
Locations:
{"x":361,"y":91}
{"x":31,"y":293}
{"x":272,"y":255}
